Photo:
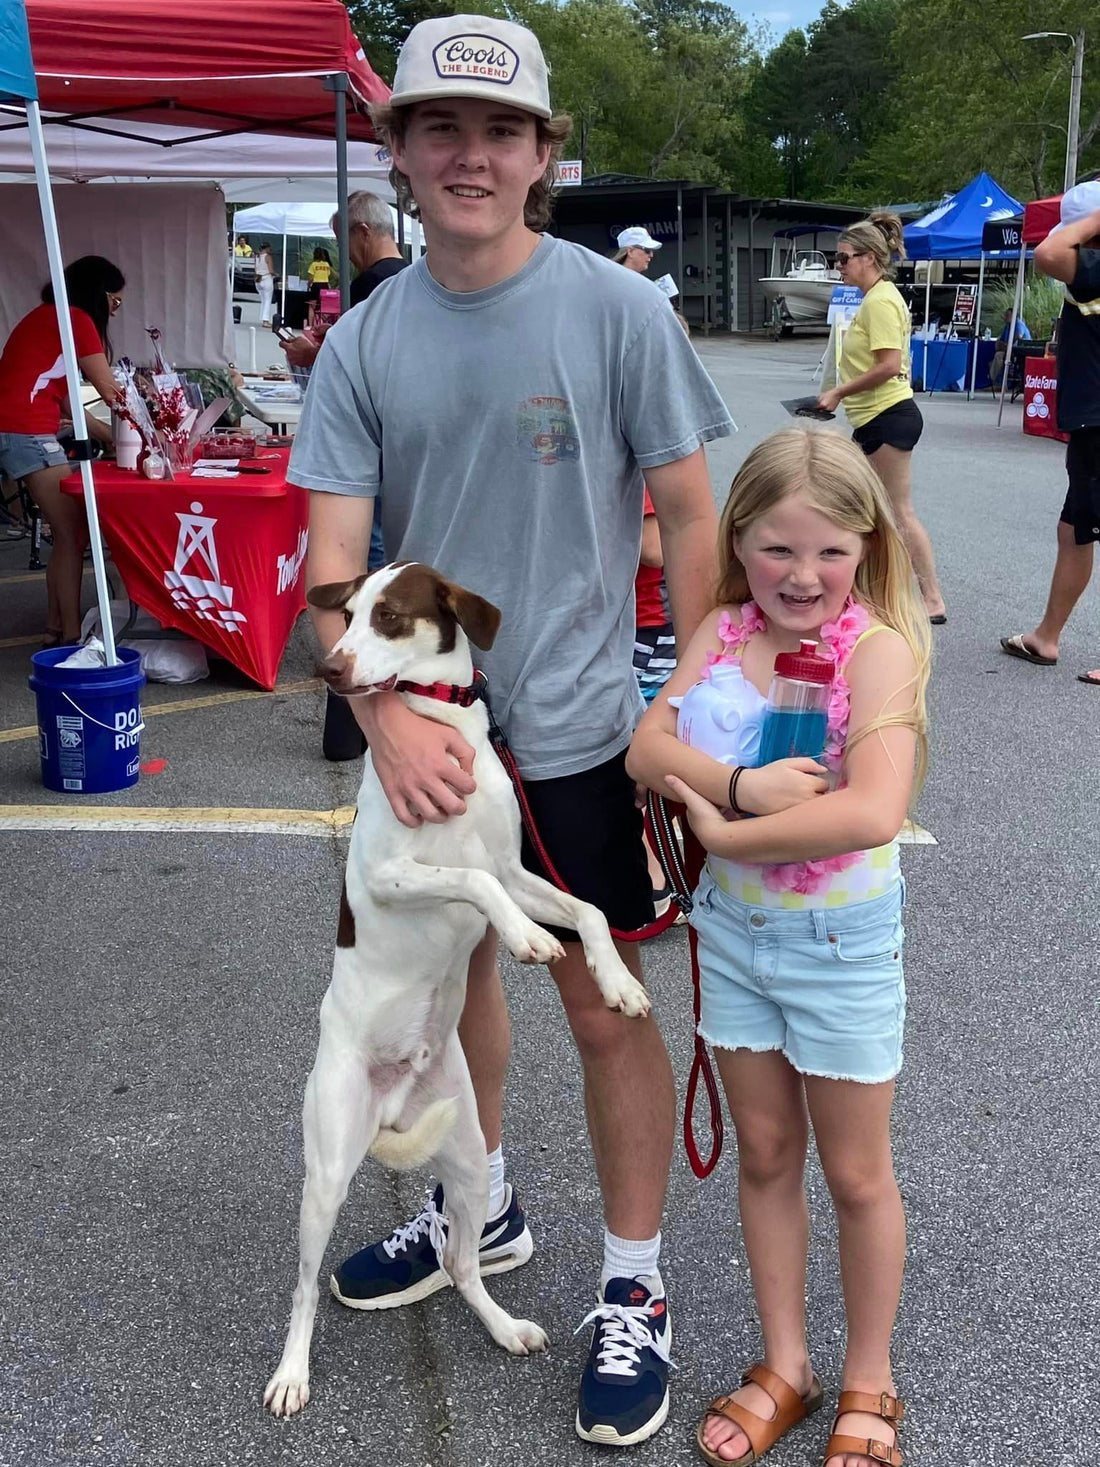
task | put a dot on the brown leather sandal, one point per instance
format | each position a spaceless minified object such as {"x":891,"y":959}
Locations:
{"x":790,"y":1409}
{"x":888,"y":1408}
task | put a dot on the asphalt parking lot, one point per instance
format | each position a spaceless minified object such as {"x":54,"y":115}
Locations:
{"x":163,"y":972}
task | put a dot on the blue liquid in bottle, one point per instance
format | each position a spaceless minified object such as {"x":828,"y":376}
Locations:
{"x":796,"y":720}
{"x":792,"y":733}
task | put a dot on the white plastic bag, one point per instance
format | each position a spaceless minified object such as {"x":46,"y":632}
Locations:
{"x":163,"y":659}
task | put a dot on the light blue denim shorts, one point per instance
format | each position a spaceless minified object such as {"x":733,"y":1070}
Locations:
{"x":25,"y":453}
{"x":825,"y":986}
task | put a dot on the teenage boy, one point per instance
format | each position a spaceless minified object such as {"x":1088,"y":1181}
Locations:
{"x":502,"y":397}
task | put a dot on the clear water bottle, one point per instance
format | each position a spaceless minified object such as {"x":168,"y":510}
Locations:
{"x":798,"y":706}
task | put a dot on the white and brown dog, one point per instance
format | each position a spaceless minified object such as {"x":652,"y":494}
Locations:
{"x":390,"y":1076}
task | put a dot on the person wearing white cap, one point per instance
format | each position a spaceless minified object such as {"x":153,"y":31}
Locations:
{"x":502,"y":396}
{"x":1071,"y":254}
{"x":636,"y":247}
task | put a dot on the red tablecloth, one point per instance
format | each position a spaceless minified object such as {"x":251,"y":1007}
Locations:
{"x":222,"y":560}
{"x":1041,"y":398}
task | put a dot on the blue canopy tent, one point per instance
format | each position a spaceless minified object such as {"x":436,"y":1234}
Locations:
{"x":953,"y":231}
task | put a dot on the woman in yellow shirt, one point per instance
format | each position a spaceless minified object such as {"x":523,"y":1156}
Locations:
{"x":874,"y":384}
{"x":320,"y":274}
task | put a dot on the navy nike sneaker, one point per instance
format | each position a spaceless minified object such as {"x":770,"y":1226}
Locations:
{"x":405,"y":1267}
{"x":624,"y":1389}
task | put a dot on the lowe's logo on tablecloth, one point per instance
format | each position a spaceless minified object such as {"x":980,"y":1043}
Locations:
{"x":289,"y":567}
{"x":479,"y":57}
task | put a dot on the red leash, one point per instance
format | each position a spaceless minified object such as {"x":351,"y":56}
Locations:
{"x":683,"y":875}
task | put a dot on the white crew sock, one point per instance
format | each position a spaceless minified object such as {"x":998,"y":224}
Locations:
{"x":496,"y":1181}
{"x":623,"y":1258}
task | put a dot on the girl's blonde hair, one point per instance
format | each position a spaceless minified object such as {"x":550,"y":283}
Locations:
{"x":836,"y":479}
{"x":881,"y":236}
{"x":390,"y":123}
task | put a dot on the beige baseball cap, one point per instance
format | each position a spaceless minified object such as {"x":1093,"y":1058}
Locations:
{"x":472,"y":56}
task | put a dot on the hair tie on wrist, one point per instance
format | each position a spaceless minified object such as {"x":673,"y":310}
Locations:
{"x":734,"y":777}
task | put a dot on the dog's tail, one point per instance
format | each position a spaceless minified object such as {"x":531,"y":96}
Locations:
{"x":404,"y":1150}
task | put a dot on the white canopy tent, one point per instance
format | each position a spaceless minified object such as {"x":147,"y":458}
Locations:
{"x":309,"y":221}
{"x":251,"y":167}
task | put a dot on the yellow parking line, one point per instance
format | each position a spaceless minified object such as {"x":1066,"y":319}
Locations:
{"x":21,"y":641}
{"x":34,"y":576}
{"x":141,"y":820}
{"x":182,"y":705}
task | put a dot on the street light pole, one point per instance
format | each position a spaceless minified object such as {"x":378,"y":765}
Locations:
{"x":1074,"y":109}
{"x":1074,"y":127}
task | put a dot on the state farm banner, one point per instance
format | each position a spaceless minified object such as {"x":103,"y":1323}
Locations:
{"x":220,"y":560}
{"x":1041,"y":398}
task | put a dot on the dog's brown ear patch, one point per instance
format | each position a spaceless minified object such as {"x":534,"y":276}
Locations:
{"x":345,"y":928}
{"x":478,"y":618}
{"x":334,"y":595}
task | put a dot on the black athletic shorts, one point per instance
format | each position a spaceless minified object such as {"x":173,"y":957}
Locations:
{"x":899,"y":426}
{"x":592,"y":832}
{"x":1082,"y":506}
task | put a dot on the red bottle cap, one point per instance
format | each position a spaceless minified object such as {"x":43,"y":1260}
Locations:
{"x":804,"y":666}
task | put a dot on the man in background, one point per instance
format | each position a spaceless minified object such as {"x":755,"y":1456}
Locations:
{"x":1071,"y":254}
{"x":1004,"y":347}
{"x":375,"y":257}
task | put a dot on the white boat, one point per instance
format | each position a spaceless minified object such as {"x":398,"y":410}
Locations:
{"x":800,"y":296}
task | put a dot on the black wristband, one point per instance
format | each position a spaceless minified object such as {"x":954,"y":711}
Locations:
{"x":734,"y":777}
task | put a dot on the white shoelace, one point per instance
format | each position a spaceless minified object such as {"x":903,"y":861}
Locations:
{"x":429,"y":1222}
{"x":627,"y":1331}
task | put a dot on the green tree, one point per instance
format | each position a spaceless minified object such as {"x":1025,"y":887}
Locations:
{"x":973,"y":94}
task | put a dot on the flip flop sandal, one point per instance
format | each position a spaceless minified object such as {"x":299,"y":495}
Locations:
{"x":1090,"y":678}
{"x":1017,"y":647}
{"x":888,"y":1408}
{"x":790,"y":1409}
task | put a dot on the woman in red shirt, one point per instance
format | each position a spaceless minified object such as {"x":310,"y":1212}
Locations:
{"x":33,"y":395}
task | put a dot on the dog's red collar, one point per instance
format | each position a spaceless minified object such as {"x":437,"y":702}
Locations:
{"x":444,"y":692}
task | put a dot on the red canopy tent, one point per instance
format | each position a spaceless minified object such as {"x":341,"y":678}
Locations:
{"x":255,"y":65}
{"x":272,"y":66}
{"x":1040,"y":217}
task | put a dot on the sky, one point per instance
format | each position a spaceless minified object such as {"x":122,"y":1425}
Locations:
{"x":780,"y":15}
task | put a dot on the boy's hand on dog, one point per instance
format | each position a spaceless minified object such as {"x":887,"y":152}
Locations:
{"x":424,"y":768}
{"x":776,"y":787}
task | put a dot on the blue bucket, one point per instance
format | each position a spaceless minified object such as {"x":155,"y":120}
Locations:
{"x":89,"y":722}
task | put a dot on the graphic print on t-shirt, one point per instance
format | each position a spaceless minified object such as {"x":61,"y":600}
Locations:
{"x":546,"y":430}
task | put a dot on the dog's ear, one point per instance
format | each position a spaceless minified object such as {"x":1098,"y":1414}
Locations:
{"x":335,"y":595}
{"x":478,"y":618}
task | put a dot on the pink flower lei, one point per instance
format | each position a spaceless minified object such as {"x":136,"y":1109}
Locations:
{"x":837,"y":643}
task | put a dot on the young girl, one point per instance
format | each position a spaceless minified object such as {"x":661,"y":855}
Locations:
{"x":799,"y":917}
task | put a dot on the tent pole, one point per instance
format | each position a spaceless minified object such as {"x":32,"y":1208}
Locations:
{"x":927,"y":299}
{"x":72,"y":372}
{"x":282,"y":292}
{"x":977,"y":327}
{"x":680,"y":245}
{"x":338,"y":84}
{"x":1017,"y":297}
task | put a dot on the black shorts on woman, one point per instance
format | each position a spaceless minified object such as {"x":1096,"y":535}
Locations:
{"x":897,"y":427}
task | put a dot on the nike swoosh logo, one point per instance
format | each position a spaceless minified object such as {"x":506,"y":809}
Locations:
{"x":488,"y":1239}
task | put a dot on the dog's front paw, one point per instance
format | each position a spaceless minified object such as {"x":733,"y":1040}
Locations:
{"x":523,"y":1337}
{"x":286,"y":1393}
{"x":621,"y":990}
{"x":530,"y":943}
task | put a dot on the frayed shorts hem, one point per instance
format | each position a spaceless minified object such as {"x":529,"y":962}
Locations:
{"x":803,"y":1069}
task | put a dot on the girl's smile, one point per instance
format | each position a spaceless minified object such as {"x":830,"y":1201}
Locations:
{"x":800,"y":565}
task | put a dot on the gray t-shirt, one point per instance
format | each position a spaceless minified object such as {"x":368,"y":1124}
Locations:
{"x":506,"y":430}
